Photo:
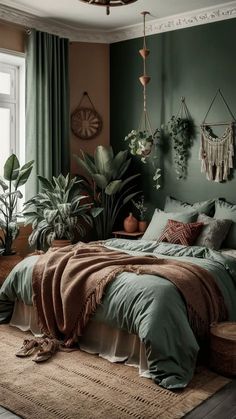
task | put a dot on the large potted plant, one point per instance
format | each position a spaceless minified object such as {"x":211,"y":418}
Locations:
{"x":108,"y":185}
{"x":13,"y":178}
{"x":58,"y":212}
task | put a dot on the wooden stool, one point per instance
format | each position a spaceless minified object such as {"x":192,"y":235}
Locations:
{"x":223,"y":348}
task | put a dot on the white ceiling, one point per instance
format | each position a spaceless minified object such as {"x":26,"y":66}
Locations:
{"x":75,"y":13}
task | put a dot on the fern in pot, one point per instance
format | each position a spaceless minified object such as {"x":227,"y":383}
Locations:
{"x":58,"y":212}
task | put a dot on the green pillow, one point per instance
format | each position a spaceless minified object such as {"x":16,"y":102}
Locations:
{"x":174,"y":205}
{"x":159,"y":221}
{"x":225,"y":210}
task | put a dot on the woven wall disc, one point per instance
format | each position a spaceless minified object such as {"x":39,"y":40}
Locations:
{"x":86,"y":123}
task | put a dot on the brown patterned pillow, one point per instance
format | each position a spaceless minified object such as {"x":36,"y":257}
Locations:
{"x":180,"y":233}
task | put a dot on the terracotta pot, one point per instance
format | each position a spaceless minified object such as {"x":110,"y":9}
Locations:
{"x":61,"y":243}
{"x":7,"y":263}
{"x":142,"y":226}
{"x":144,"y":80}
{"x":144,"y":52}
{"x":130,"y":224}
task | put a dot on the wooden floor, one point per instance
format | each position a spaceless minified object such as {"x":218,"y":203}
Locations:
{"x":220,"y":406}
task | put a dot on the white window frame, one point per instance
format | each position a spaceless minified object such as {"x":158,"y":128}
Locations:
{"x":14,"y":64}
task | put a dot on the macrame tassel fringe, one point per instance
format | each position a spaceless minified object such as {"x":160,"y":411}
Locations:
{"x":217,"y":154}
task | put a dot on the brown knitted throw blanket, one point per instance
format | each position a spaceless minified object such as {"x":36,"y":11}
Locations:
{"x":69,"y":282}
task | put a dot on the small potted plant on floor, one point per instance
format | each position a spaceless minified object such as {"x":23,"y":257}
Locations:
{"x":59,"y":212}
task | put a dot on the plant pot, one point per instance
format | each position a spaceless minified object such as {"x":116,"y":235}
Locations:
{"x":142,"y":226}
{"x":144,"y":52}
{"x":7,"y":263}
{"x":130,"y":224}
{"x":61,"y":243}
{"x":144,"y":80}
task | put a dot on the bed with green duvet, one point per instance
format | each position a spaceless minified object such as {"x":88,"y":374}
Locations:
{"x":148,"y":306}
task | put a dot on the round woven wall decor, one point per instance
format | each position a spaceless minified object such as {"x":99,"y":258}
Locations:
{"x":86,"y":123}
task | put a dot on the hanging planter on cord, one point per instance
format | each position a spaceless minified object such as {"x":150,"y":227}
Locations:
{"x":181,"y":131}
{"x":142,"y":142}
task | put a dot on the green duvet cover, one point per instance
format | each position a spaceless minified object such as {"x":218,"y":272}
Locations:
{"x":147,"y":305}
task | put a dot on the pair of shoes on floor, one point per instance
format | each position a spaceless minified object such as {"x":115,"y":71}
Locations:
{"x":45,"y":349}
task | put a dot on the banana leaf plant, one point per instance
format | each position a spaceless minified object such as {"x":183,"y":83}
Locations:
{"x":13,"y":178}
{"x":108,"y":185}
{"x":59,"y":211}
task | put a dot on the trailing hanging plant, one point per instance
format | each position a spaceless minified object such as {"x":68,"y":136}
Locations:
{"x":143,"y":145}
{"x":140,"y":143}
{"x":181,"y":131}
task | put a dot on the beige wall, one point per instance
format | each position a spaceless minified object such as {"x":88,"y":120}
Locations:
{"x":89,"y":71}
{"x":12,"y":37}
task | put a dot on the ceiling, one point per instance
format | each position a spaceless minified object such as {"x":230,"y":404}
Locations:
{"x":74,"y":13}
{"x":81,"y":22}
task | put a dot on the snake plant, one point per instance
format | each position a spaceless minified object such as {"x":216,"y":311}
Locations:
{"x":108,"y":185}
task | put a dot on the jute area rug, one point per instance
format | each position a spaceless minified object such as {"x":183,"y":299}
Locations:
{"x":75,"y":385}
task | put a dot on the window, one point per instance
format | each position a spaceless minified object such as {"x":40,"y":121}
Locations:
{"x":12,"y":107}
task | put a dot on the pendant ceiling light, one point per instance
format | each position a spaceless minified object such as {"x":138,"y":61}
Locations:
{"x":108,"y":3}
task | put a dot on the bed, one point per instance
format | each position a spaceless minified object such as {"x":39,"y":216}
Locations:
{"x":142,"y":319}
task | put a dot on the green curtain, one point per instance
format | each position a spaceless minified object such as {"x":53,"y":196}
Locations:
{"x":47,"y":106}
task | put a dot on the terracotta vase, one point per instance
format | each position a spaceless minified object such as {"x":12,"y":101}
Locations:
{"x":142,"y":226}
{"x":61,"y":243}
{"x":130,"y":224}
{"x":7,"y":263}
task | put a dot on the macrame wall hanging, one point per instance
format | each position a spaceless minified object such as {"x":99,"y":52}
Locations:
{"x":86,"y":123}
{"x":216,"y":152}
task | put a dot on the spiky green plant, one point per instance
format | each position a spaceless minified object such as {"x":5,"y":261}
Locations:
{"x":108,"y":185}
{"x":59,"y":211}
{"x":13,"y":178}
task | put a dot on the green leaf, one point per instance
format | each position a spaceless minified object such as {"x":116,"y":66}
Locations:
{"x":118,"y":161}
{"x":113,"y":187}
{"x":103,"y":158}
{"x":130,"y":196}
{"x":96,"y":211}
{"x":11,"y":168}
{"x":22,"y":177}
{"x":84,"y":165}
{"x":3,"y":184}
{"x":45,"y":183}
{"x":100,"y":180}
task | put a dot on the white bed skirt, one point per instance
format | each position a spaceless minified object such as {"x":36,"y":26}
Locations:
{"x":112,"y":344}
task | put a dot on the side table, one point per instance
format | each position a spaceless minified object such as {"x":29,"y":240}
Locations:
{"x":124,"y":234}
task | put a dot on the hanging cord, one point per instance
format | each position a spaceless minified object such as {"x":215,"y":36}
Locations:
{"x":145,"y":117}
{"x":183,"y":111}
{"x":84,"y":96}
{"x":226,"y":104}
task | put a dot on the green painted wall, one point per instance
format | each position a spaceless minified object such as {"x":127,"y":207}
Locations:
{"x":192,"y":63}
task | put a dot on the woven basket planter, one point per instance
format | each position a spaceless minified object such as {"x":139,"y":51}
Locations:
{"x":223,"y":348}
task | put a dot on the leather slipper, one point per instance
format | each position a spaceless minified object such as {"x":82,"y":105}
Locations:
{"x":47,"y":349}
{"x":28,"y":348}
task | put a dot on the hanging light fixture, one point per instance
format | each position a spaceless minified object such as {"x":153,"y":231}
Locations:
{"x":108,"y":3}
